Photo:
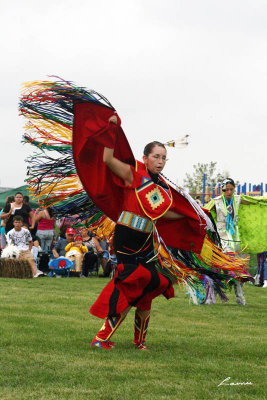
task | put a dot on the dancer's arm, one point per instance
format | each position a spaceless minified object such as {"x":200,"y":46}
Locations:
{"x":121,"y":169}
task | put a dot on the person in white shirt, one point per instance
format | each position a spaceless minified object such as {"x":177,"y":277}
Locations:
{"x":21,"y":238}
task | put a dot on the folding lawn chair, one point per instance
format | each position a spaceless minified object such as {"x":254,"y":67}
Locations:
{"x":61,"y":266}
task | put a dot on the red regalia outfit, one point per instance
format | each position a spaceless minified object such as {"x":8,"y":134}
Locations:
{"x":136,"y":282}
{"x":136,"y":209}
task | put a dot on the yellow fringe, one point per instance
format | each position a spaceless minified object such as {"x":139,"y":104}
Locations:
{"x":177,"y":269}
{"x":105,"y":230}
{"x":47,"y":130}
{"x":213,"y":255}
{"x":66,"y":187}
{"x":33,"y":86}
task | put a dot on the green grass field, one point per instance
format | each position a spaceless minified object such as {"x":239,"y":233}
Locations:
{"x":45,"y":346}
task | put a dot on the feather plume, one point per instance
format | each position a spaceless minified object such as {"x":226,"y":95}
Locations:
{"x":179,"y":143}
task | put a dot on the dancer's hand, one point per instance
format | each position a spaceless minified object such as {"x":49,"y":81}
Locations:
{"x":113,"y":119}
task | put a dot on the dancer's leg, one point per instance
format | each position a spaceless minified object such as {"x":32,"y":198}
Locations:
{"x":140,"y":328}
{"x":111,"y":324}
{"x":210,"y":294}
{"x":239,"y":292}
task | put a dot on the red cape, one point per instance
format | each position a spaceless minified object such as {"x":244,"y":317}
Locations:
{"x":91,"y":132}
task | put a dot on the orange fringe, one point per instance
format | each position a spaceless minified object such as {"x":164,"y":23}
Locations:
{"x":103,"y":228}
{"x":214,"y":256}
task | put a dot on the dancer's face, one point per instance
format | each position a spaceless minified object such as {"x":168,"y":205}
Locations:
{"x":229,"y":191}
{"x":156,"y":160}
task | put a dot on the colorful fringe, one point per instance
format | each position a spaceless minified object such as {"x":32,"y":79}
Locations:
{"x":100,"y":224}
{"x":52,"y":177}
{"x":53,"y":180}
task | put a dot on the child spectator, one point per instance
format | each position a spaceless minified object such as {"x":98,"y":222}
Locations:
{"x":75,"y":251}
{"x":21,"y":238}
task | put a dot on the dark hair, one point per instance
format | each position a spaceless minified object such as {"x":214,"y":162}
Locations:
{"x":18,"y":193}
{"x":50,"y":212}
{"x":149,"y":147}
{"x":226,"y":181}
{"x":17,"y":218}
{"x":9,"y":199}
{"x":26,"y":199}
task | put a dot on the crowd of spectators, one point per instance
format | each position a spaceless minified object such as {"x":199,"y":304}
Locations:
{"x":40,"y":238}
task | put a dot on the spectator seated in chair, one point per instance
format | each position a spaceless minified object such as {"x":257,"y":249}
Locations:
{"x":59,"y":248}
{"x":75,"y":252}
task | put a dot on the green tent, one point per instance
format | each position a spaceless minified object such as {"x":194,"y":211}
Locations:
{"x":12,"y":192}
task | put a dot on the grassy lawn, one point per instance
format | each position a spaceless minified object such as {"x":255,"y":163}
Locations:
{"x":45,"y":335}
